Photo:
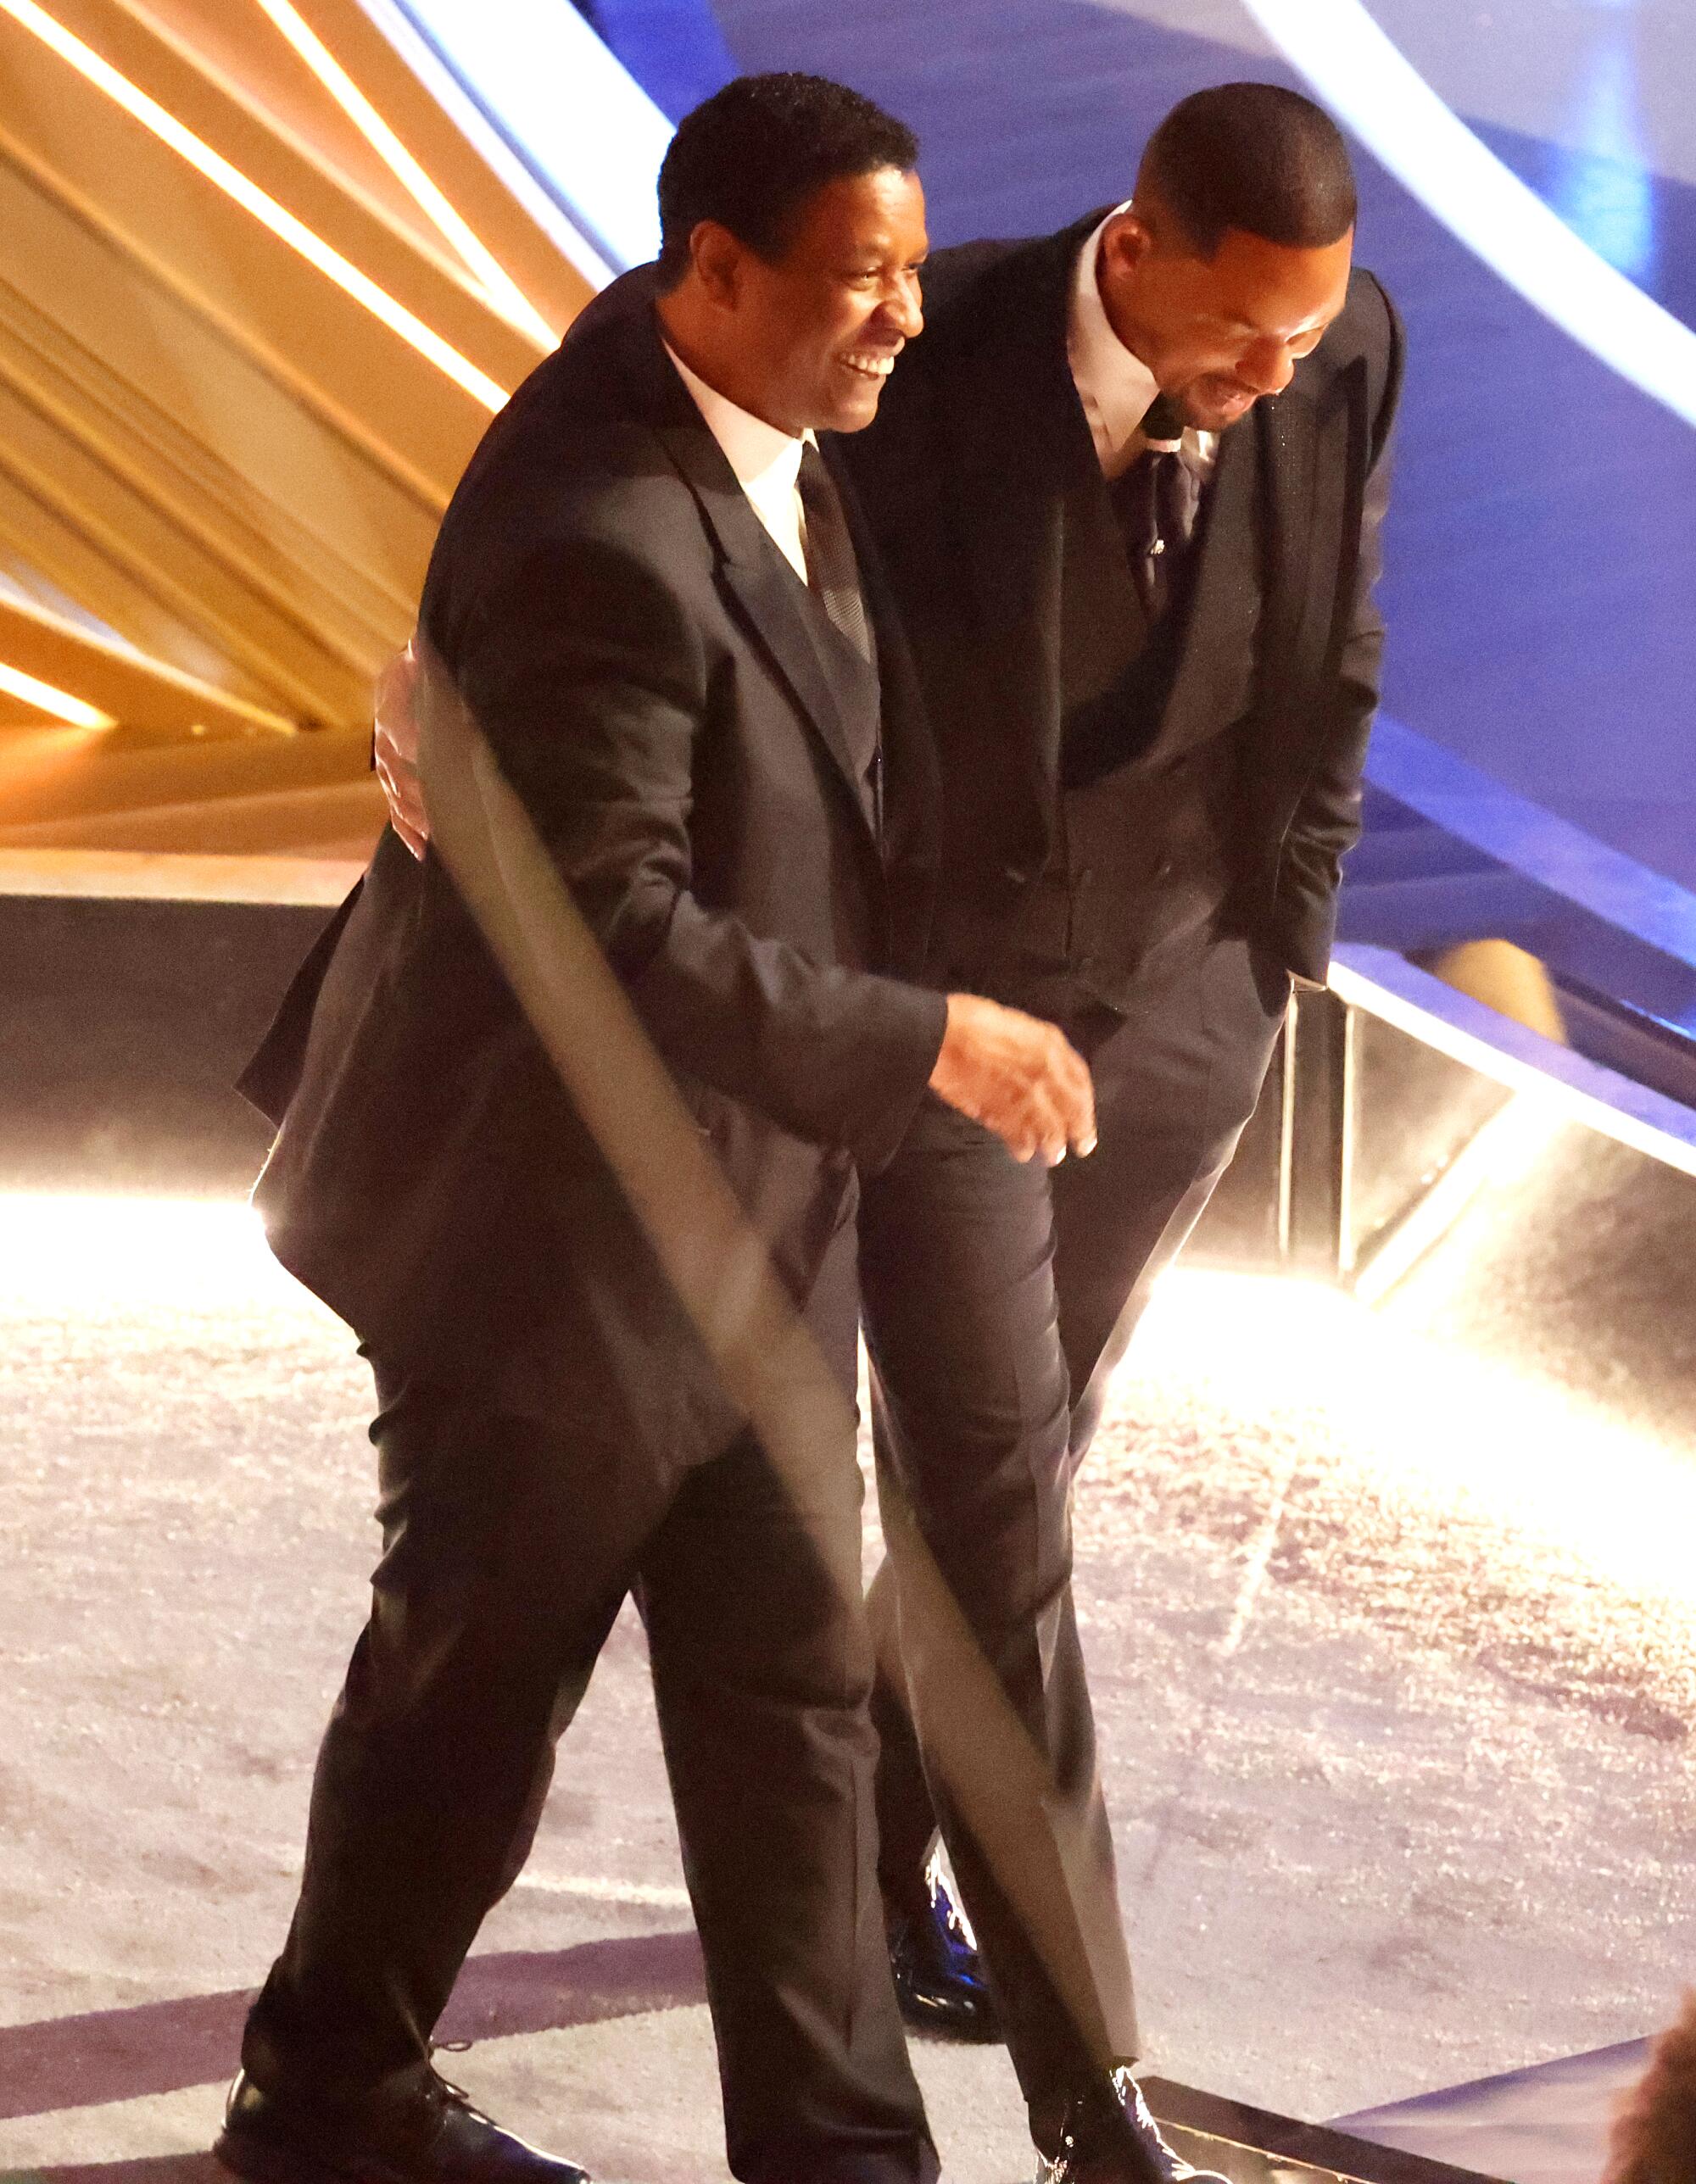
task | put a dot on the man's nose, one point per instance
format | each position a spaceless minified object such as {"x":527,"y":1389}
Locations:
{"x":1268,"y":368}
{"x":903,"y":308}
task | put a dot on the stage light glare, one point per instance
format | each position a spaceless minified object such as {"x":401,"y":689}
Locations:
{"x":1563,"y":1485}
{"x":57,"y":704}
{"x":69,"y":1254}
{"x":582,"y":126}
{"x":502,"y":291}
{"x":1562,"y":1480}
{"x":282,"y":223}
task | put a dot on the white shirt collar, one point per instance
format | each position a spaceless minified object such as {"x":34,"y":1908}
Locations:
{"x":754,"y":450}
{"x":767,"y":461}
{"x":1115,"y":387}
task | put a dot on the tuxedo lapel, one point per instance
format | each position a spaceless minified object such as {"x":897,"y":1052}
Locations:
{"x":1026,"y":481}
{"x":752,"y":569}
{"x":629,"y":374}
{"x":1311,"y":488}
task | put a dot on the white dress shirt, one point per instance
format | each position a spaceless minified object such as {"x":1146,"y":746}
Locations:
{"x":1115,"y":387}
{"x":767,"y":463}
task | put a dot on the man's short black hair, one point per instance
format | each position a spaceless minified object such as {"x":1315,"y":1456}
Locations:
{"x":1256,"y":158}
{"x":753,"y":156}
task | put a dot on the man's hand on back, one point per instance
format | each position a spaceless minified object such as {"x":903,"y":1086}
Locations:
{"x":394,"y":751}
{"x":1020,"y":1077}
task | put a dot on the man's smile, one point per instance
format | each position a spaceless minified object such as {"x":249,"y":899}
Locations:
{"x":870,"y":363}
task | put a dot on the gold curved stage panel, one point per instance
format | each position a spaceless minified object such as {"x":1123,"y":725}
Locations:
{"x":259,"y":296}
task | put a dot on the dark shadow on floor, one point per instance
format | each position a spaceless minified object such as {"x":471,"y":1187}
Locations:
{"x":147,"y":2168}
{"x":164,"y":2046}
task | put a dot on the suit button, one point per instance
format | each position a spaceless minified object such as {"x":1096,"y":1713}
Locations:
{"x":1014,"y":875}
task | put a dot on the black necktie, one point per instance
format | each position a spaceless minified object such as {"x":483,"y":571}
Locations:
{"x":833,"y":573}
{"x":831,"y":569}
{"x":1155,"y":501}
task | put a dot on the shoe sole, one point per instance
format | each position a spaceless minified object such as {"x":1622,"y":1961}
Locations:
{"x":260,"y":2161}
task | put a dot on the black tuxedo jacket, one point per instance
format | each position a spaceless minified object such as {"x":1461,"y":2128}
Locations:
{"x":655,"y":680}
{"x":983,"y":490}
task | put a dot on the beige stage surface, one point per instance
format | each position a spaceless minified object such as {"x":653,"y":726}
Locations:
{"x":1391,"y":1616}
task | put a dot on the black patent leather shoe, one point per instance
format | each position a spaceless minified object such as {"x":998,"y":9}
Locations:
{"x":1109,"y":2137}
{"x":434,"y":2136}
{"x":939,"y":1975}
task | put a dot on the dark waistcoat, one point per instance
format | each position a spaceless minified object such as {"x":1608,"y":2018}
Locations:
{"x":1139,"y":865}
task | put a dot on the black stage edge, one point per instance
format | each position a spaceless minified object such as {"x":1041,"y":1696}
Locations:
{"x":124,"y":1022}
{"x":123,"y":1027}
{"x":1250,"y":2147}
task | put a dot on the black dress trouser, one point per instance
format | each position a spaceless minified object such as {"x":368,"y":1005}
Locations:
{"x":509,"y":1544}
{"x":997,"y":1298}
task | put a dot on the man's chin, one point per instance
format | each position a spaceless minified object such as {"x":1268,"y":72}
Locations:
{"x":1218,"y":416}
{"x":853,"y":412}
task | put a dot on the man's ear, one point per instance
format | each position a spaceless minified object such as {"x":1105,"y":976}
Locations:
{"x":1128,"y":240}
{"x":717,"y":258}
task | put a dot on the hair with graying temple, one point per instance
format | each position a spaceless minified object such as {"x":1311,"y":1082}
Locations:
{"x":1255,"y":157}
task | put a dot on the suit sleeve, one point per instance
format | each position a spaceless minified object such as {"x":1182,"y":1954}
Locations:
{"x":591,"y":685}
{"x":1326,"y":824}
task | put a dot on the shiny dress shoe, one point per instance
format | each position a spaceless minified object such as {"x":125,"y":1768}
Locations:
{"x":939,"y":1975}
{"x":433,"y":2136}
{"x":1109,"y":2137}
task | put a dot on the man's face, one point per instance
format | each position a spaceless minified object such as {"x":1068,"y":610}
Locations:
{"x":1218,"y":333}
{"x":819,"y":330}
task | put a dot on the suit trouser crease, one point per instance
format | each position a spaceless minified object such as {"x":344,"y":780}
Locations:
{"x":997,"y":1296}
{"x":508,"y":1548}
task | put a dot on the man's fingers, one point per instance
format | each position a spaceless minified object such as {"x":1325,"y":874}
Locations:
{"x":1076,"y":1094}
{"x":397,"y":680}
{"x":405,"y":802}
{"x":1036,"y":1128}
{"x":394,"y":748}
{"x":1018,"y":1077}
{"x":1080,"y":1127}
{"x":395,"y":770}
{"x":1051,"y":1124}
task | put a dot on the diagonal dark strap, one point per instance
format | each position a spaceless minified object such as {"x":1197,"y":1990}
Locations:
{"x":831,"y":569}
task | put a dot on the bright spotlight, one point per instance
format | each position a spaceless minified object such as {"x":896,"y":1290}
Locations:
{"x":71,"y":1254}
{"x":1557,"y":1476}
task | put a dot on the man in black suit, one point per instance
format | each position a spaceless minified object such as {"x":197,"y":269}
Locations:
{"x":646,"y":592}
{"x":1128,"y":489}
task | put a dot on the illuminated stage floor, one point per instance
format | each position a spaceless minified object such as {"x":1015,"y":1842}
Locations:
{"x":1390,"y":1615}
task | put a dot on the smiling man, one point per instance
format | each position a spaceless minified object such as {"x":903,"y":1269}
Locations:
{"x":647,"y":592}
{"x":1129,"y":488}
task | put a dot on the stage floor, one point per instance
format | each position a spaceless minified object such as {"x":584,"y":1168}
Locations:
{"x":1391,"y":1614}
